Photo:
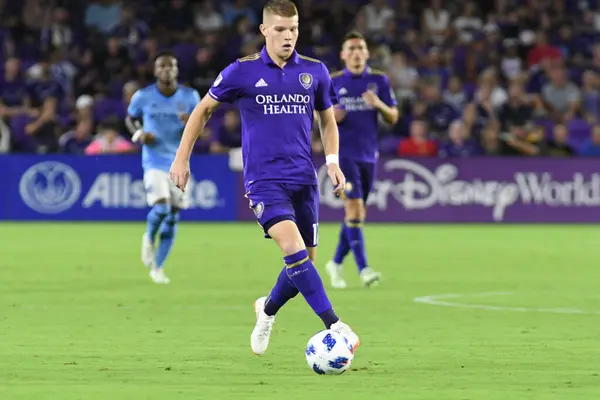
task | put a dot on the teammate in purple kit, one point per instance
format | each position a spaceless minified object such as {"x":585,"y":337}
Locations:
{"x":364,"y":94}
{"x":277,"y":92}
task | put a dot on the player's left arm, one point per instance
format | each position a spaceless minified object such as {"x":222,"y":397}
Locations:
{"x":133,"y":120}
{"x":324,"y":105}
{"x":386,"y":104}
{"x":331,"y":144}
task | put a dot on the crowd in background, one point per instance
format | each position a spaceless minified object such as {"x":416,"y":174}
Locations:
{"x":503,"y":77}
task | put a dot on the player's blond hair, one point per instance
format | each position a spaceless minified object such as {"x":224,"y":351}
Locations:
{"x":282,"y":8}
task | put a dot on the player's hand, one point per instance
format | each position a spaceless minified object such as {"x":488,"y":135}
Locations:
{"x":371,"y":98}
{"x":337,"y":178}
{"x":184,"y":117}
{"x":144,"y":138}
{"x":180,"y":173}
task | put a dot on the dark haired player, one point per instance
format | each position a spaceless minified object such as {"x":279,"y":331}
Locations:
{"x":277,"y":91}
{"x":156,"y":117}
{"x":364,"y":94}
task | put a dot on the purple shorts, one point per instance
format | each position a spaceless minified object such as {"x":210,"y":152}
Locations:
{"x":273,"y":202}
{"x":360,"y":177}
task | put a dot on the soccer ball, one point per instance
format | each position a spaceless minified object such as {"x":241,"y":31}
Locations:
{"x":329,"y":353}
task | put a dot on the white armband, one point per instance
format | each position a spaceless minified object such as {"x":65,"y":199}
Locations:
{"x":332,"y":159}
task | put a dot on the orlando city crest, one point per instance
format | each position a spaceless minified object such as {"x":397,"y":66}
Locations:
{"x":259,"y":209}
{"x":372,"y":86}
{"x":306,"y":80}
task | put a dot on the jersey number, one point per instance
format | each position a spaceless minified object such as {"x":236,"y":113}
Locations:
{"x":315,"y":234}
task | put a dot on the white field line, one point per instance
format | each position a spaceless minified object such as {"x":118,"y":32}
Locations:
{"x":448,"y":300}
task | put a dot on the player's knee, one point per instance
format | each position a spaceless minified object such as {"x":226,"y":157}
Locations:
{"x":161,"y":209}
{"x":169,"y":226}
{"x":355,"y":209}
{"x":291,"y":246}
{"x":287,"y":236}
{"x":172,"y":217}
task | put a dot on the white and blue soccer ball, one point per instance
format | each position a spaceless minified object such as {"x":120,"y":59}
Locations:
{"x":329,"y":353}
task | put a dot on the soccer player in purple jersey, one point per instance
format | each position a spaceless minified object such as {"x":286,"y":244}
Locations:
{"x":277,"y":92}
{"x":364,"y":94}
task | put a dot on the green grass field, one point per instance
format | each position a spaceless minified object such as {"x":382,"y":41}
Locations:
{"x":80,"y":319}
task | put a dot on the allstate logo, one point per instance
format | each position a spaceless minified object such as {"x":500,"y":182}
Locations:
{"x":50,"y":187}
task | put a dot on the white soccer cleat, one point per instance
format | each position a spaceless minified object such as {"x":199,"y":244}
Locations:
{"x":148,"y":252}
{"x":259,"y":339}
{"x":158,"y":276}
{"x":369,"y":277}
{"x":346,"y":332}
{"x":335,"y":275}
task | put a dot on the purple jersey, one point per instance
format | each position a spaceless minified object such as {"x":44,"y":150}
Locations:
{"x":276,"y":108}
{"x":358,"y":131}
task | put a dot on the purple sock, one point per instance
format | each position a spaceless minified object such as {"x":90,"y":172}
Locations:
{"x":283,"y":291}
{"x":343,"y":247}
{"x":305,"y":277}
{"x":357,"y":243}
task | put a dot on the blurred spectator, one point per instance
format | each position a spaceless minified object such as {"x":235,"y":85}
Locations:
{"x":490,"y":142}
{"x":77,"y":140}
{"x":58,"y":34}
{"x":115,"y":64}
{"x":14,"y":98}
{"x":102,"y":14}
{"x":39,"y":134}
{"x":205,"y":70}
{"x":517,"y":142}
{"x":33,"y":16}
{"x":436,"y":23}
{"x":339,"y":15}
{"x":511,"y":64}
{"x":565,"y":42}
{"x":433,"y":109}
{"x":418,"y":144}
{"x":559,"y":145}
{"x":473,"y":124}
{"x":229,"y":135}
{"x":130,"y":31}
{"x":561,"y":96}
{"x":590,"y":96}
{"x":455,"y":94}
{"x":403,"y":76}
{"x":377,"y":13}
{"x":592,"y":147}
{"x":467,"y":24}
{"x":84,"y":107}
{"x":244,"y":33}
{"x":458,"y":144}
{"x":207,"y":18}
{"x":108,"y":141}
{"x":542,"y":50}
{"x":518,"y":110}
{"x":235,"y":9}
{"x":434,"y":67}
{"x":177,"y":17}
{"x":490,"y":93}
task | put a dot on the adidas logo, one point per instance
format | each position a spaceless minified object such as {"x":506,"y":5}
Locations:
{"x":261,"y":83}
{"x":343,"y":91}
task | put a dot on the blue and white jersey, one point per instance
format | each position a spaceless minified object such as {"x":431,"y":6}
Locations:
{"x":161,"y":116}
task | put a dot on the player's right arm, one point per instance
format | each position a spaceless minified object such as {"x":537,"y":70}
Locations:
{"x":133,"y":120}
{"x":225,"y":89}
{"x":325,"y":102}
